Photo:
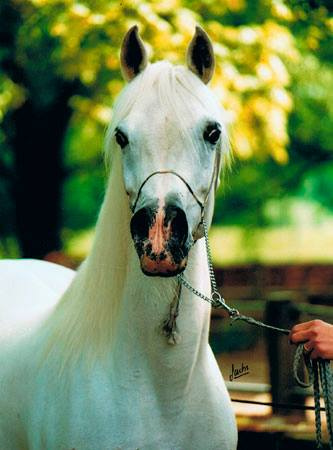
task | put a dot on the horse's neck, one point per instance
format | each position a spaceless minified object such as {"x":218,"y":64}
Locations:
{"x":113,"y":310}
{"x":140,"y":345}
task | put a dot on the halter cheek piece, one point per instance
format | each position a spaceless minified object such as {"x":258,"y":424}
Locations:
{"x":199,"y":232}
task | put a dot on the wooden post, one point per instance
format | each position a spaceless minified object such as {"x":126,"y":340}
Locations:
{"x":282,"y":314}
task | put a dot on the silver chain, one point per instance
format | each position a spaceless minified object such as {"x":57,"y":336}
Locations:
{"x":216,"y":300}
{"x":209,"y":259}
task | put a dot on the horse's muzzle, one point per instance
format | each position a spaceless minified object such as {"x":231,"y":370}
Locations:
{"x":161,"y":239}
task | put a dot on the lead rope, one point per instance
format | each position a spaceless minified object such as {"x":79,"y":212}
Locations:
{"x":320,"y":375}
{"x":319,"y":369}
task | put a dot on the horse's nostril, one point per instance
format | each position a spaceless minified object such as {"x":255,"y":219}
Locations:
{"x":178,"y":222}
{"x":140,"y":223}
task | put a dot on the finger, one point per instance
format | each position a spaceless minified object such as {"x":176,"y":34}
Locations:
{"x":302,"y":326}
{"x":300,"y":336}
{"x":315,"y":354}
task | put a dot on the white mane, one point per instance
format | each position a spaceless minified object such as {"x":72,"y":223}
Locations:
{"x":86,"y":314}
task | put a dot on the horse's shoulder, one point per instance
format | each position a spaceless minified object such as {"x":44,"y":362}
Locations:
{"x":53,"y":276}
{"x":28,"y":289}
{"x":19,"y":359}
{"x":14,"y":378}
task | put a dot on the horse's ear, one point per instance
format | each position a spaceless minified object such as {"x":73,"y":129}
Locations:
{"x":133,"y":55}
{"x":200,"y":56}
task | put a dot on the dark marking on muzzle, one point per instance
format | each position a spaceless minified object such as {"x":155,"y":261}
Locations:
{"x":161,"y":239}
{"x":179,"y":233}
{"x":141,"y":221}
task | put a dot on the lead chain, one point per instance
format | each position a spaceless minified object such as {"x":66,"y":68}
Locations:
{"x":216,"y":300}
{"x":209,"y":259}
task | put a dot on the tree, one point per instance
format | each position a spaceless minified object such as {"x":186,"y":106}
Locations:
{"x":59,"y":67}
{"x":307,"y":174}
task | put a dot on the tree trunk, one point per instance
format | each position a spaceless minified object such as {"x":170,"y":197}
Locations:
{"x":37,"y":145}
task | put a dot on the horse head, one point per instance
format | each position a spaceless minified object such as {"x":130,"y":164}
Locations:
{"x":170,"y":133}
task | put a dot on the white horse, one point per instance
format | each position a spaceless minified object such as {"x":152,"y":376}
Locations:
{"x":83,"y":363}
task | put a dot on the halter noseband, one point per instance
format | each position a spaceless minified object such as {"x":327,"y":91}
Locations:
{"x":201,"y":203}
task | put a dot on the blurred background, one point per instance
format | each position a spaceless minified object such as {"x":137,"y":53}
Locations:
{"x":272,"y":236}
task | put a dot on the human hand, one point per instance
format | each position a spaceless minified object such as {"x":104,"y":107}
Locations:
{"x":317,"y":337}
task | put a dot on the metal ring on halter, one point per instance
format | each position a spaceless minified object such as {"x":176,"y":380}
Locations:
{"x":217,"y":300}
{"x":216,"y":297}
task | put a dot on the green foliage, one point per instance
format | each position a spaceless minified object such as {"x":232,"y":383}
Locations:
{"x":273,"y":76}
{"x":258,"y":185}
{"x":312,"y":120}
{"x":318,"y":185}
{"x":83,"y":187}
{"x":64,"y":40}
{"x":82,"y":199}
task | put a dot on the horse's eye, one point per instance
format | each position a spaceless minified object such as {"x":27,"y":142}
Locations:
{"x":121,"y":138}
{"x":212,"y":133}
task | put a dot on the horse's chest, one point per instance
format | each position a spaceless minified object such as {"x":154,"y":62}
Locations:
{"x":83,"y":415}
{"x":90,"y":414}
{"x":103,"y":415}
